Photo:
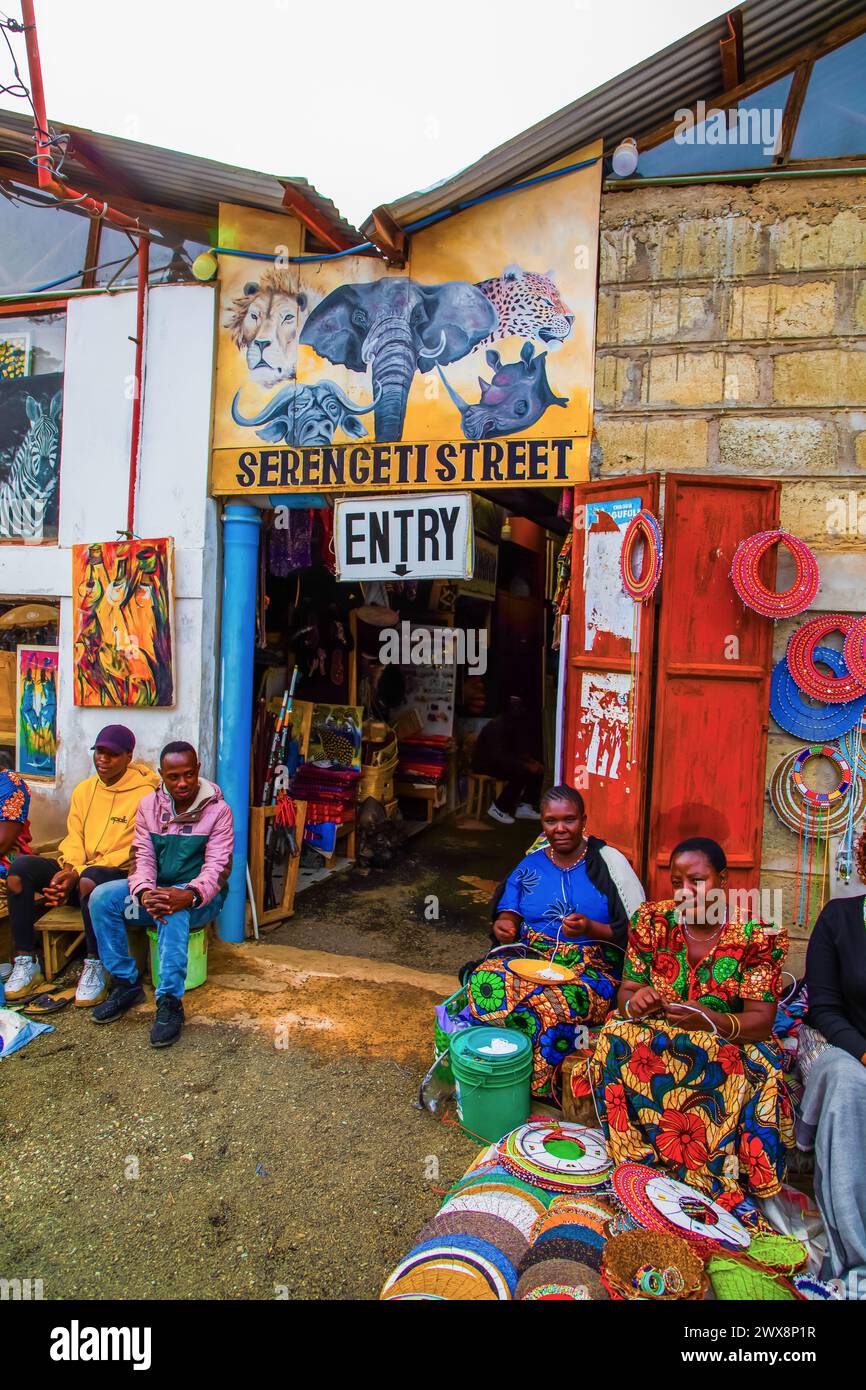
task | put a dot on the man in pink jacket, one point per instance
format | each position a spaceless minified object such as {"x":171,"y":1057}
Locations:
{"x":182,"y":856}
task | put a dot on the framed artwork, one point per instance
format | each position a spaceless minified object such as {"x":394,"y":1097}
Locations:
{"x":36,"y":707}
{"x":122,"y":596}
{"x":335,"y":736}
{"x":14,"y":356}
{"x":31,"y":409}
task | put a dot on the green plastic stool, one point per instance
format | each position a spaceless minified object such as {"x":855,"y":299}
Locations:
{"x":196,"y":965}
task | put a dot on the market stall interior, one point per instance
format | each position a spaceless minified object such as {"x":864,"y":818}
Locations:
{"x":369,"y":697}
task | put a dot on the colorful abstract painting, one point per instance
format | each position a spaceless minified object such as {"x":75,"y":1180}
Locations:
{"x":123,"y":597}
{"x":36,"y":735}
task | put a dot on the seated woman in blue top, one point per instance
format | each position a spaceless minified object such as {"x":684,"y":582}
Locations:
{"x":569,"y":900}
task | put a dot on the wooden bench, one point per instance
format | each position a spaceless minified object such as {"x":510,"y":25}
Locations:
{"x":433,"y":796}
{"x":481,"y":791}
{"x":62,"y":932}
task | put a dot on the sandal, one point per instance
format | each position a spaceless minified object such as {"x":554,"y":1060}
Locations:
{"x":46,"y":1003}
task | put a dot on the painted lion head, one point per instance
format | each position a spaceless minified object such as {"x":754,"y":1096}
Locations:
{"x":264,"y":324}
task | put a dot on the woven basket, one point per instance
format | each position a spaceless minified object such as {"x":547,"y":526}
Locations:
{"x":625,"y":1254}
{"x":736,"y":1277}
{"x":783,"y":1253}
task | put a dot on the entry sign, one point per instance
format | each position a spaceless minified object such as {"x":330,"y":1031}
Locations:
{"x":416,"y":537}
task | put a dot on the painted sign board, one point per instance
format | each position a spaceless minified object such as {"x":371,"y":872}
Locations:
{"x":471,"y":366}
{"x":426,"y":537}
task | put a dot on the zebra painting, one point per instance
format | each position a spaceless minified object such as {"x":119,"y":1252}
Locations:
{"x":28,"y":494}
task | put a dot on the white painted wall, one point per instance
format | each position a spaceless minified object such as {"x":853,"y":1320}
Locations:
{"x":172,"y":501}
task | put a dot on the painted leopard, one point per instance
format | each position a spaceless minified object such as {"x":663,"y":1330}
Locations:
{"x":529,"y":305}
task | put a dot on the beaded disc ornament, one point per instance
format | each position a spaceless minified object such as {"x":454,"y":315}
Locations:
{"x":642,"y":527}
{"x":812,"y":723}
{"x":559,"y":1157}
{"x":801,"y":661}
{"x":803,"y":815}
{"x":854,"y":650}
{"x":453,"y":1268}
{"x":660,"y":1203}
{"x":752,"y":589}
{"x":821,"y":800}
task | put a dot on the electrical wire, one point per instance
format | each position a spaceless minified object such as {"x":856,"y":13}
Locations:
{"x":421,"y":222}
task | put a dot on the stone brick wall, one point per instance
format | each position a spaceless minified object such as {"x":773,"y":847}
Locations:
{"x":731,"y":336}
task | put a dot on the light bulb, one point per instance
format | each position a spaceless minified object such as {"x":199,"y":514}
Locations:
{"x":625,"y":158}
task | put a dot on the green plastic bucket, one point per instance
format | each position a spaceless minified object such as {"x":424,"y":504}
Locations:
{"x":196,"y":963}
{"x":492,"y":1070}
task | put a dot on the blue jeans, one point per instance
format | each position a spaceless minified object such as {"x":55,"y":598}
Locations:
{"x":113,"y":910}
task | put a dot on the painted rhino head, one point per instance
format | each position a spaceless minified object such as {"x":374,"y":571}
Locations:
{"x":517,"y":396}
{"x":306,"y":415}
{"x":398,"y":327}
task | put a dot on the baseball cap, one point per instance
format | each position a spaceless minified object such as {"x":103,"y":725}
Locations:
{"x":116,"y":737}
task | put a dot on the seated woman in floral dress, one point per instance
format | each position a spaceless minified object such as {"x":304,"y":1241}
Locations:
{"x":688,"y":1077}
{"x":570,"y":901}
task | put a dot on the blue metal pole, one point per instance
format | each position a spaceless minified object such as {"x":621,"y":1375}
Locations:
{"x":241,"y":526}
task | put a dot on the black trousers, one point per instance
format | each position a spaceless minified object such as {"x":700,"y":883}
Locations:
{"x":36,"y":872}
{"x":520,"y":785}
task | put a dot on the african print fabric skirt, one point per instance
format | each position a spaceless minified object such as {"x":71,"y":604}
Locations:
{"x":712,"y":1113}
{"x":548,"y":1014}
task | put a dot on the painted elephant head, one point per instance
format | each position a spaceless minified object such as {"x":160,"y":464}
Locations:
{"x":517,"y":396}
{"x":306,"y":415}
{"x":398,"y":327}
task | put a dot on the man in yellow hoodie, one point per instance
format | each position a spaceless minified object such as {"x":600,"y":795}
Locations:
{"x":97,"y":848}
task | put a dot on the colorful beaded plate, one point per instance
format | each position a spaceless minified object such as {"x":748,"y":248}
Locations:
{"x":660,"y":1203}
{"x":559,"y":1157}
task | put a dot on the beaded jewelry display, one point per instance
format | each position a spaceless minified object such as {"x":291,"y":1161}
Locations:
{"x":809,"y":722}
{"x":801,"y":661}
{"x":814,"y":817}
{"x":853,"y":747}
{"x":854,"y":651}
{"x":643,"y":527}
{"x":815,"y":798}
{"x":752,"y":589}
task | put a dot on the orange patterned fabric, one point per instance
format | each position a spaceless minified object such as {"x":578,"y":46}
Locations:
{"x":745,"y":963}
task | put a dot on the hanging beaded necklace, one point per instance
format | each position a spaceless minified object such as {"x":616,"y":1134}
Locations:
{"x":549,"y":851}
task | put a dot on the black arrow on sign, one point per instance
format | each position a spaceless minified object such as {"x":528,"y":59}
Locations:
{"x":401,"y":569}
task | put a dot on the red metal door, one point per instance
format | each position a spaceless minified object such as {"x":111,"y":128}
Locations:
{"x":712,"y":694}
{"x":601,"y":625}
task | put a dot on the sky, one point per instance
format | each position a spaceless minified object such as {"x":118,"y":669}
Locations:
{"x":367,"y":104}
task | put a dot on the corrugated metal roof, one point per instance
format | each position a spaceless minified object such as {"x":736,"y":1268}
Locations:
{"x":167,"y":178}
{"x":638,"y":100}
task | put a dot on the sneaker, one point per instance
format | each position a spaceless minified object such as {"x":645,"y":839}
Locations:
{"x":169,"y":1021}
{"x":92,"y":984}
{"x":122,"y":997}
{"x":526,"y":812}
{"x":502,"y":816}
{"x":25,"y":978}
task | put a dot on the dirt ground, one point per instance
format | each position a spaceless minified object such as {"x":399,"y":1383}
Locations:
{"x":275,"y":1151}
